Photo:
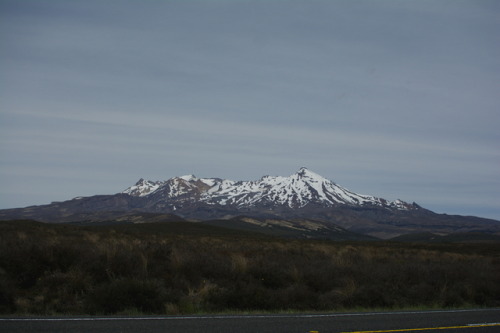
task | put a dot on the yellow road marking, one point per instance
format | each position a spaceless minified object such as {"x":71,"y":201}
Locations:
{"x":428,"y":328}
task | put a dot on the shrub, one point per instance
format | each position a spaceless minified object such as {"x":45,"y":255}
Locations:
{"x":50,"y":269}
{"x":146,"y":296}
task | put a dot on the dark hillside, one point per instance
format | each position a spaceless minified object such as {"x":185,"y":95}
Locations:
{"x":460,"y":237}
{"x":291,"y":228}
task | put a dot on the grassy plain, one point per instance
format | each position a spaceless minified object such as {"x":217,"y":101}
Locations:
{"x":182,"y":268}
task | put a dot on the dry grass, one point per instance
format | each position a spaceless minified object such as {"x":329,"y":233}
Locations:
{"x":176,"y":268}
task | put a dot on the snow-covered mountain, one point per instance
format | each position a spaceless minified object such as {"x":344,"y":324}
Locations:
{"x":287,"y":205}
{"x":299,"y":190}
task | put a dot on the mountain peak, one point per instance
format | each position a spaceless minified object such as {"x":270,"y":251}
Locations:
{"x":143,"y":187}
{"x":305,"y":172}
{"x":188,"y":178}
{"x":140,"y":182}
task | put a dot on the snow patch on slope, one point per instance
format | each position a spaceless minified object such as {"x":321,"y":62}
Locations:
{"x":143,"y":187}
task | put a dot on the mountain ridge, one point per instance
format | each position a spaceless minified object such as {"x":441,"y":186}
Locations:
{"x":296,"y":191}
{"x":303,"y":195}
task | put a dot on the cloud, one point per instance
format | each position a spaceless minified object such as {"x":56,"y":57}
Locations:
{"x":397,"y":99}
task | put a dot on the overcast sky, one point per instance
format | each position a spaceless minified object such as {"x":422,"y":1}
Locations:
{"x":396,"y":99}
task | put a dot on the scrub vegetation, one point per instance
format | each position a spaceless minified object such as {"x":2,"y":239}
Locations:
{"x":182,"y":268}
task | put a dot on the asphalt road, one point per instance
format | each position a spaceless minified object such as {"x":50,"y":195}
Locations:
{"x":445,"y":321}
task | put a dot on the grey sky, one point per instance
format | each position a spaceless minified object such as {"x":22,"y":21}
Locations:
{"x":397,"y":99}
